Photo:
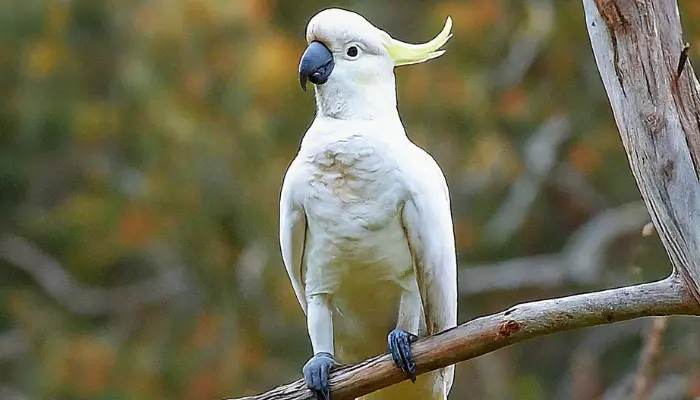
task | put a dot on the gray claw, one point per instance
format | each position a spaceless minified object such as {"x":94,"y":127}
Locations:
{"x":400,"y":348}
{"x":316,"y":372}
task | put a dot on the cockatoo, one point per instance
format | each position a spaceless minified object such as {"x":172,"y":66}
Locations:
{"x":365,"y":224}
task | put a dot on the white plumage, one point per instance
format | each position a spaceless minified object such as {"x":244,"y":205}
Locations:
{"x":365,"y":224}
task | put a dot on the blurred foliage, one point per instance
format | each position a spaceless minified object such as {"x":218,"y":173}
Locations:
{"x":142,"y":136}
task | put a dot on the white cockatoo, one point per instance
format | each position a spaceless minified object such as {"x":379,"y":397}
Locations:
{"x":365,"y":224}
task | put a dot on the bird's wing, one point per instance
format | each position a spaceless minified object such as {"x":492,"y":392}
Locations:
{"x":293,"y":232}
{"x":428,"y":223}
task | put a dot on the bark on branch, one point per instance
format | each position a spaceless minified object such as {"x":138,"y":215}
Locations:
{"x":655,"y":98}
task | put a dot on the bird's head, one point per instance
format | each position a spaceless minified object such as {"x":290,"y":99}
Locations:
{"x":351,"y":63}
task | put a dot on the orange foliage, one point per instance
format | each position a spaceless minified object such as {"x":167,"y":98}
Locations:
{"x":584,"y":158}
{"x":146,"y":385}
{"x":451,"y":87}
{"x":200,"y":13}
{"x":465,"y":234}
{"x":694,"y":383}
{"x":272,"y":67}
{"x":492,"y":150}
{"x":514,"y":103}
{"x":85,"y":363}
{"x":252,"y":354}
{"x":414,"y":84}
{"x":691,"y":9}
{"x":223,"y":59}
{"x":137,"y":226}
{"x":256,"y":11}
{"x":58,"y":18}
{"x":202,"y":386}
{"x":471,"y":16}
{"x":197,"y":82}
{"x":207,"y":330}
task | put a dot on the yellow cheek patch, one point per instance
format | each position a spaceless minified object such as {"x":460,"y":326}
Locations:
{"x":406,"y":53}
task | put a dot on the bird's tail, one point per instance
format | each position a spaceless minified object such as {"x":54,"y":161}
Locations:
{"x":429,"y":386}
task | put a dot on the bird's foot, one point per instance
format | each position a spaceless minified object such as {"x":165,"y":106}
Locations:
{"x":316,"y":372}
{"x":400,"y":349}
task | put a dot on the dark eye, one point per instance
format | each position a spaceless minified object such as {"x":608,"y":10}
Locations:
{"x":351,"y":51}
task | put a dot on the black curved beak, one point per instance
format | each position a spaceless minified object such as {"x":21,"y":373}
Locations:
{"x":316,"y":65}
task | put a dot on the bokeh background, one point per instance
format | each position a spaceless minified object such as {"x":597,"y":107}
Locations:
{"x":142,"y":148}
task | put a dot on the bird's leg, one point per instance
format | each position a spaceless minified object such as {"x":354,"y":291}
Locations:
{"x":319,"y":322}
{"x":400,"y":339}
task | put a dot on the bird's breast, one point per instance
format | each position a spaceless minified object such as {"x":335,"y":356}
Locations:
{"x":355,"y":186}
{"x":354,"y":216}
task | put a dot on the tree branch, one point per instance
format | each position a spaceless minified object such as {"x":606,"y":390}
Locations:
{"x":646,"y":373}
{"x":12,"y":345}
{"x":489,"y":333}
{"x":526,"y":44}
{"x":539,"y":157}
{"x":96,"y":301}
{"x":582,"y":260}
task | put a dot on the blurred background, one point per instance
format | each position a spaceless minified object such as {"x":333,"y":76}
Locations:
{"x":142,"y":148}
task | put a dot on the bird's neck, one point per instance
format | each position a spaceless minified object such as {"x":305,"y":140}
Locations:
{"x":356,"y":100}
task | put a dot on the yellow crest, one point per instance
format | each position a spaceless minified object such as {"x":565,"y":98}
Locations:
{"x":406,"y":53}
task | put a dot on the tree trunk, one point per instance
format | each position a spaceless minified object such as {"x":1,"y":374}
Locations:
{"x":655,"y":98}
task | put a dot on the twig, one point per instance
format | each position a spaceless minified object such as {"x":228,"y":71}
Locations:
{"x":489,"y":333}
{"x":64,"y":289}
{"x":581,"y":261}
{"x":585,"y":377}
{"x":582,"y":380}
{"x":527,"y":43}
{"x":249,"y":271}
{"x":568,"y":179}
{"x":498,"y":364}
{"x":682,"y":60}
{"x":12,"y":345}
{"x":540,"y":156}
{"x":650,"y":358}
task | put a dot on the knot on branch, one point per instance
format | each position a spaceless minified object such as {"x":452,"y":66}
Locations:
{"x":508,"y":327}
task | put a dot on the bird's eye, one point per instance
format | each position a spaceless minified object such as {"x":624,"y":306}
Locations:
{"x":352,"y":51}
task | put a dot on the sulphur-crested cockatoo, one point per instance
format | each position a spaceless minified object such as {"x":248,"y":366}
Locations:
{"x":365,"y":224}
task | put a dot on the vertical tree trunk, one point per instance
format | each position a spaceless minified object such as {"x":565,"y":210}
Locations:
{"x":655,"y":98}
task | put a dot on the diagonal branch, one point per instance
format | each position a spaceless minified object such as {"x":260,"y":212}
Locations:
{"x":582,"y":261}
{"x":540,"y":157}
{"x":489,"y":333}
{"x":528,"y":41}
{"x":86,"y":300}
